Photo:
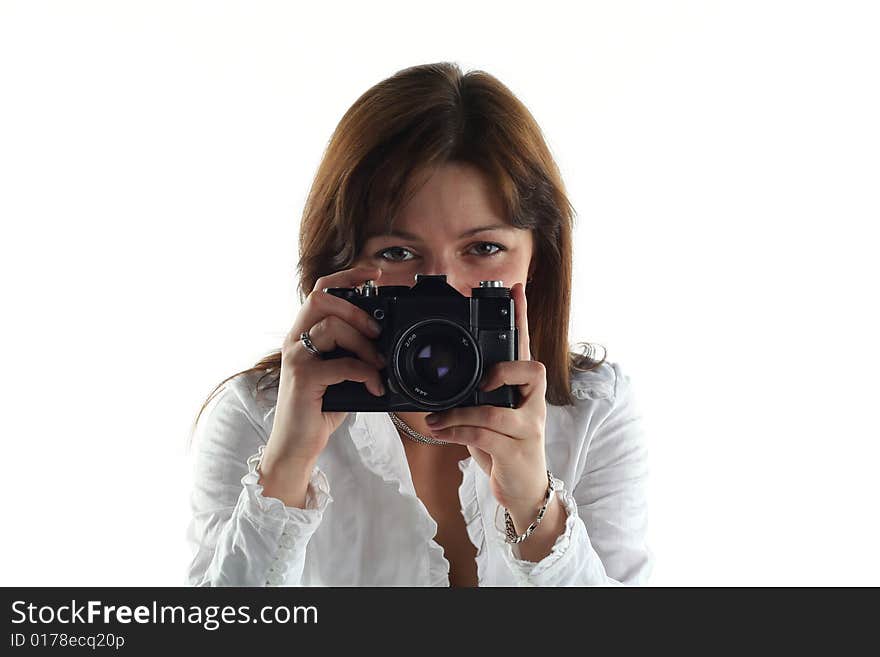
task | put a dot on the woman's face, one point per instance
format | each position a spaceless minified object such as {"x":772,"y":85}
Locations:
{"x":437,"y":233}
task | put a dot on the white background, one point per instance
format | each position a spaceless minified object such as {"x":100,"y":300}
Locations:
{"x":722,"y":158}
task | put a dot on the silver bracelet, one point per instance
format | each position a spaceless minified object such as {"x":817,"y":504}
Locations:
{"x":511,"y":536}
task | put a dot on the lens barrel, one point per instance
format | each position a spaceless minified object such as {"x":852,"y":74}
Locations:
{"x":437,"y":362}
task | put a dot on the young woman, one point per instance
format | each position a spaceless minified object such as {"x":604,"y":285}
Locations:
{"x":429,"y":172}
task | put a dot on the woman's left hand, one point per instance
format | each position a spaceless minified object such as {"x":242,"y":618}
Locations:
{"x":507,"y":443}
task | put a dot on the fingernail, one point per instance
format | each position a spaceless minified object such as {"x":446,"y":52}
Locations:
{"x":381,"y":359}
{"x":375,"y":327}
{"x":432,"y":419}
{"x":381,"y":390}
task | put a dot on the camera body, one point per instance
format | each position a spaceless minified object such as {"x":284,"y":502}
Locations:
{"x":437,"y":344}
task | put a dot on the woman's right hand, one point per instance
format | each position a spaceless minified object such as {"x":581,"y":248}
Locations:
{"x":301,"y":430}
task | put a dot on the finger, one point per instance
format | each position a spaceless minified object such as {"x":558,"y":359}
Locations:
{"x":522,"y":321}
{"x":489,"y":441}
{"x":529,"y":375}
{"x":321,"y":304}
{"x":332,"y":332}
{"x":321,"y":374}
{"x":499,"y":419}
{"x":348,"y":277}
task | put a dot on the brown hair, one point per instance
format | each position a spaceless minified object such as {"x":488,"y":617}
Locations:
{"x":422,"y":117}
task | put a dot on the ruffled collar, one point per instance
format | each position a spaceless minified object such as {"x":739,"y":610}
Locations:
{"x":377,"y":442}
{"x":594,"y":384}
{"x":379,"y":446}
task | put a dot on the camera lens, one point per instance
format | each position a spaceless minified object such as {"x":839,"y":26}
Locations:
{"x":438,"y":363}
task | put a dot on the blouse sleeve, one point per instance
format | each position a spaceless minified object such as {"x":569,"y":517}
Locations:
{"x":604,"y":541}
{"x":238,"y":536}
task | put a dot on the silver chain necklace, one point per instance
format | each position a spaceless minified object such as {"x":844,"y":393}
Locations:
{"x":413,"y":434}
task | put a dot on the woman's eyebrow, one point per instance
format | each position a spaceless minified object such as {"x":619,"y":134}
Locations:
{"x":415,"y":238}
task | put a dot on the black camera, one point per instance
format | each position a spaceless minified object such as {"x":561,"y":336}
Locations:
{"x":437,"y":344}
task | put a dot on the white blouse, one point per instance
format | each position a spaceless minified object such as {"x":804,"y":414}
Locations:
{"x":375,"y":531}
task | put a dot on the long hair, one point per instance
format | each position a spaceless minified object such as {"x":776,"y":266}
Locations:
{"x":419,"y":118}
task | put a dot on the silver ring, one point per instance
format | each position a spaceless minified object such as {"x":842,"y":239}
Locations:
{"x":307,"y":342}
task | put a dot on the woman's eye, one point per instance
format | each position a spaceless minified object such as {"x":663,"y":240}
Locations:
{"x":498,"y":248}
{"x":397,"y":250}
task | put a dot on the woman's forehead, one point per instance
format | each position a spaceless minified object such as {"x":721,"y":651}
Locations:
{"x":459,"y":228}
{"x":452,"y":199}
